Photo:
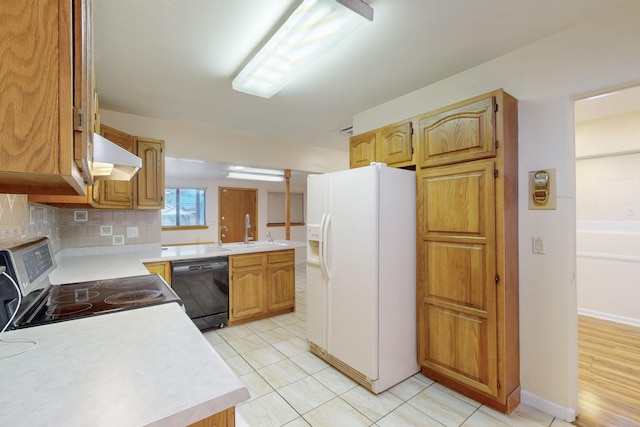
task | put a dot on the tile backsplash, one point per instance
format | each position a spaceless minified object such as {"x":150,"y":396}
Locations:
{"x":98,"y":227}
{"x":73,"y":228}
{"x":20,"y":222}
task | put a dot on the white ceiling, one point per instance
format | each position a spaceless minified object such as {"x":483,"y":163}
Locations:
{"x":175,"y":60}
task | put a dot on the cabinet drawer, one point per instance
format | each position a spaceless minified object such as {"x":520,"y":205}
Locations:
{"x":280,"y":256}
{"x":246,"y":260}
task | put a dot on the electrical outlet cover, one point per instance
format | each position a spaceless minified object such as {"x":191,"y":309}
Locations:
{"x":132,"y":232}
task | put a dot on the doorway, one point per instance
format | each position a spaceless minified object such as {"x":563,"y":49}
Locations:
{"x":607,"y":230}
{"x":233,"y":205}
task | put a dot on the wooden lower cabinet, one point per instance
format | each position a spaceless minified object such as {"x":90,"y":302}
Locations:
{"x":163,"y":268}
{"x":261,"y":285}
{"x":467,"y":257}
{"x":226,"y":418}
{"x":281,"y":292}
{"x":246,"y":288}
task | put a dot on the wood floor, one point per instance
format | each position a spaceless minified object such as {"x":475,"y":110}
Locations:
{"x":609,"y":373}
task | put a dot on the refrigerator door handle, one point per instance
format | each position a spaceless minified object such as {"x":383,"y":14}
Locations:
{"x":321,"y":245}
{"x":325,"y":246}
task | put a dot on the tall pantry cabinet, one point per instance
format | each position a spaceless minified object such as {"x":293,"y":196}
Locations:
{"x":467,"y":248}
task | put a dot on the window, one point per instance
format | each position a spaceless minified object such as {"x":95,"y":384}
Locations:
{"x":277,"y":208}
{"x":183,"y":207}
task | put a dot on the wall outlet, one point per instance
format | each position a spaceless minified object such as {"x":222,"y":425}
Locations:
{"x":132,"y":232}
{"x":118,"y":239}
{"x":106,"y":230}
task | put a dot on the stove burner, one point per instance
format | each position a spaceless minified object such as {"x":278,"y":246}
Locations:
{"x":68,"y":298}
{"x":60,"y":312}
{"x":135,"y":297}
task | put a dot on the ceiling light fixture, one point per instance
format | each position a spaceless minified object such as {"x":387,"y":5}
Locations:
{"x":312,"y":30}
{"x":247,"y":169}
{"x":255,"y":176}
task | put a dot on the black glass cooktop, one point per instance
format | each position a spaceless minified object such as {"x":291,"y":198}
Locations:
{"x":58,"y":303}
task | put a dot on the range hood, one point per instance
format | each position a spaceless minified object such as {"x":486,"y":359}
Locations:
{"x":111,"y":162}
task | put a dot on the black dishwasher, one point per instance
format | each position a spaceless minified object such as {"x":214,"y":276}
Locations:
{"x":203,"y":286}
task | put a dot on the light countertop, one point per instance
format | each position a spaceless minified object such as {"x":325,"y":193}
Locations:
{"x":148,"y":366}
{"x":77,"y":265}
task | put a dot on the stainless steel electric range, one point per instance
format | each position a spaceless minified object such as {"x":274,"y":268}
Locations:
{"x":40,"y":302}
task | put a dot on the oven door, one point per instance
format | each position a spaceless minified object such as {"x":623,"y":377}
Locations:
{"x":203,"y":286}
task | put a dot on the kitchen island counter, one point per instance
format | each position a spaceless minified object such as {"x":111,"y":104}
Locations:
{"x":148,"y":366}
{"x":108,"y":262}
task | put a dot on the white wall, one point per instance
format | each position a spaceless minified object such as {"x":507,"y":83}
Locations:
{"x":545,"y":77}
{"x":212,"y":145}
{"x":610,"y":135}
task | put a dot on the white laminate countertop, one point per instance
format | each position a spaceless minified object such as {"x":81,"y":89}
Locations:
{"x":147,"y":366}
{"x":82,"y":264}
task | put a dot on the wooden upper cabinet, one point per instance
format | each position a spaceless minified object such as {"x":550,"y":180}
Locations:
{"x":392,"y":144}
{"x":144,"y":191}
{"x":459,"y":133}
{"x":362,"y":149}
{"x":149,"y":192}
{"x":395,"y":146}
{"x":43,"y":84}
{"x":83,"y":85}
{"x":115,"y":194}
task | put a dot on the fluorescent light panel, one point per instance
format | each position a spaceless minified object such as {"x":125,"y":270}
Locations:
{"x":247,"y":169}
{"x":255,"y":176}
{"x":312,"y":30}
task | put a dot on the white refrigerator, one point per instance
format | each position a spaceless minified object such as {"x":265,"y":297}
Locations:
{"x":361,"y":273}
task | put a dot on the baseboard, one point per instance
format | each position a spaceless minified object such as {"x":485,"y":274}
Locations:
{"x":610,"y":317}
{"x":547,"y":406}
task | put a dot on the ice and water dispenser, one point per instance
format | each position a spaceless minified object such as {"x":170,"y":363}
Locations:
{"x":313,"y":244}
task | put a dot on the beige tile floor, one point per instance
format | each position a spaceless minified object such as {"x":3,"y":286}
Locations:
{"x":291,"y":387}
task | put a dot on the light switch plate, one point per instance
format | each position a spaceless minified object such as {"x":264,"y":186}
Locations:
{"x":537,"y":245}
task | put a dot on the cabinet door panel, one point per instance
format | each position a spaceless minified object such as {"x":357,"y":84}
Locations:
{"x":163,"y":268}
{"x":150,"y":178}
{"x":457,"y":135}
{"x":396,"y":144}
{"x":246,"y":292}
{"x":461,"y":347}
{"x":281,"y":280}
{"x":362,"y":149}
{"x":457,"y":324}
{"x":116,"y":193}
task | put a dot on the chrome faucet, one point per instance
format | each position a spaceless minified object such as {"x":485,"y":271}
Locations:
{"x":220,"y":234}
{"x":247,"y":226}
{"x":269,"y":238}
